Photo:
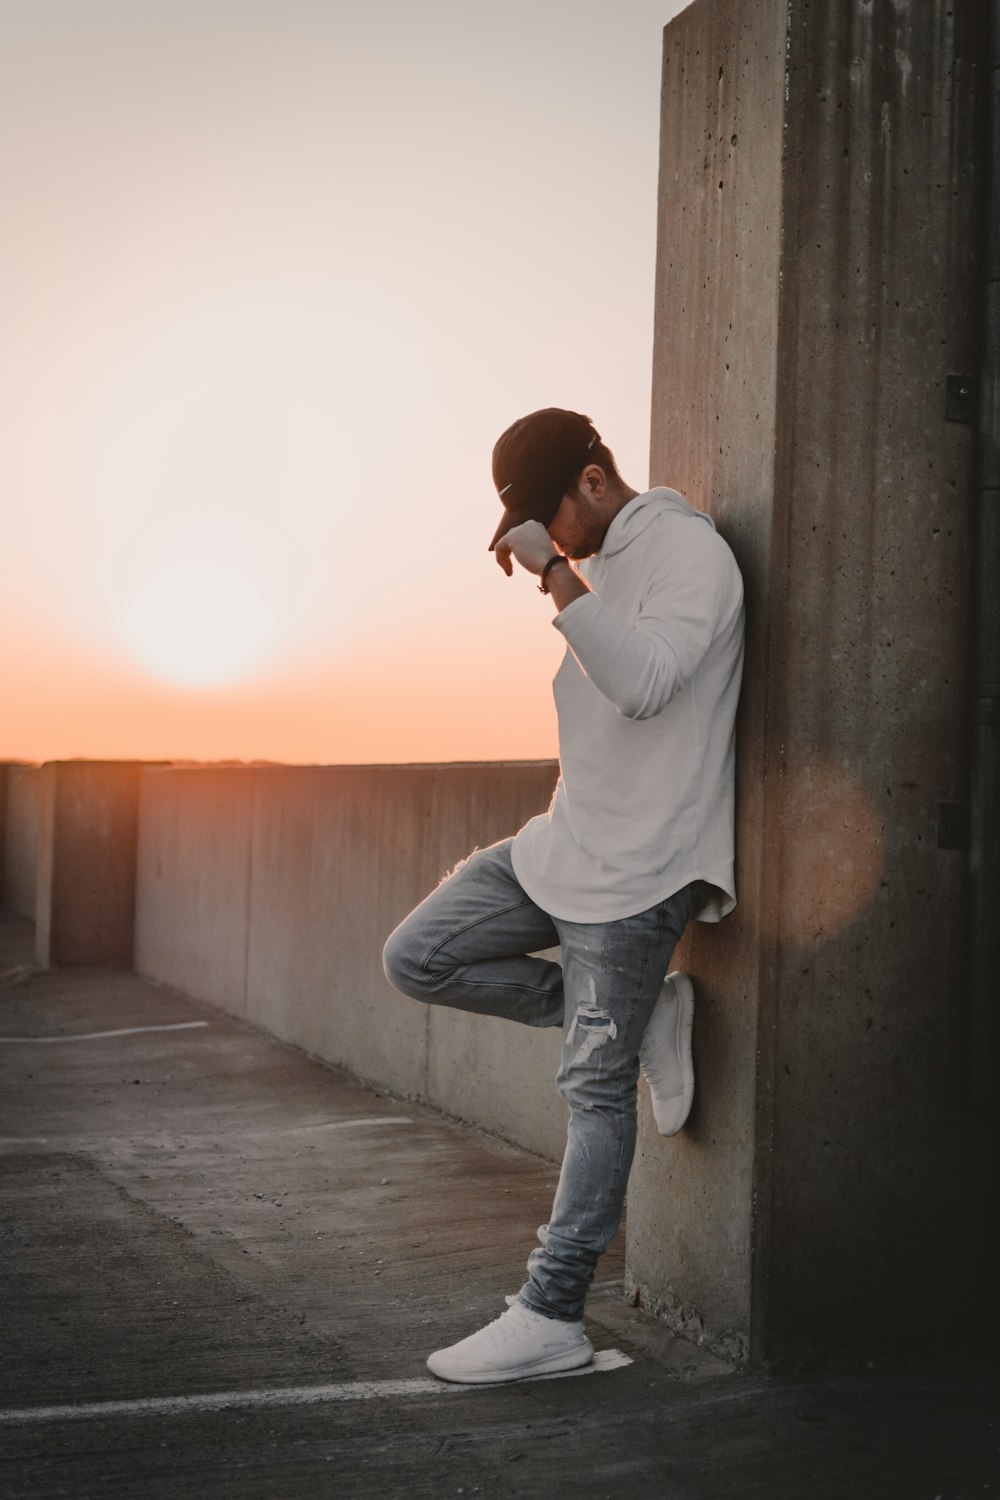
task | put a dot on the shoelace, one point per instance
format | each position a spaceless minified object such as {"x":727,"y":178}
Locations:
{"x":508,"y":1325}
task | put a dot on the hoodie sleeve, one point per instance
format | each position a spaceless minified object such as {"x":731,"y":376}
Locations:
{"x":640,"y":668}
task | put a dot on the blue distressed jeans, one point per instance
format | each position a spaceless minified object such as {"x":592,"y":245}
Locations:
{"x":471,"y":944}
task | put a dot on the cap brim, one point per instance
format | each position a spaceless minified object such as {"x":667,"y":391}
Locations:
{"x":507,"y":523}
{"x":542,"y":513}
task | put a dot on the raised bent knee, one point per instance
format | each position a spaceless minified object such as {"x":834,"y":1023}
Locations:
{"x":402,"y":967}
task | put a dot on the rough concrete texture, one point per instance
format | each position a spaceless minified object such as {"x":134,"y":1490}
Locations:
{"x":868,"y":1016}
{"x":85,"y":908}
{"x":271,"y":891}
{"x":19,"y":849}
{"x":208,"y":1211}
{"x":192,"y":907}
{"x":713,"y":433}
{"x":815,"y":286}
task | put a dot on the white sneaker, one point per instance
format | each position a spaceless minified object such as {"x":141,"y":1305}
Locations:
{"x":665,"y":1054}
{"x":520,"y":1342}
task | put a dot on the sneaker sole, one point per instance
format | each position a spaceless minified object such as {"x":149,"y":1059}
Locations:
{"x":685,"y":1027}
{"x":570,"y":1359}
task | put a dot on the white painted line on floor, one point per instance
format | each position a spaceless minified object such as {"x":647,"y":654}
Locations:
{"x":303,"y":1395}
{"x":99,"y":1036}
{"x":603,"y":1360}
{"x":348,"y":1124}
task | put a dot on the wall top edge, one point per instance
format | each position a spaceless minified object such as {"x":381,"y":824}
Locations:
{"x":272,"y":765}
{"x":84,"y":761}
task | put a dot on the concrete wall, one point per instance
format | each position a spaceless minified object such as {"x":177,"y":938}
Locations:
{"x":85,"y":891}
{"x":270,"y":892}
{"x":815,"y":286}
{"x":19,"y":839}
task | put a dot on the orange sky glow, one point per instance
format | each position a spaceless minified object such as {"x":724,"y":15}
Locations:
{"x":275,"y":277}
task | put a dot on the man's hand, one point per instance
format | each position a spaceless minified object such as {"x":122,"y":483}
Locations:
{"x":529,"y":544}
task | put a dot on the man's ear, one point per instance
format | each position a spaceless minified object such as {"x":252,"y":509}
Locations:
{"x":595,"y":479}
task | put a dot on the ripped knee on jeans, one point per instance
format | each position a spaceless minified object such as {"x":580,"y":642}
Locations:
{"x":597,"y":1027}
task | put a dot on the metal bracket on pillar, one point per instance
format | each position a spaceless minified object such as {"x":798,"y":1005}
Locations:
{"x":961,"y":399}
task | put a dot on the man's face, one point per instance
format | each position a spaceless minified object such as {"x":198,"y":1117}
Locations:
{"x":579,"y":525}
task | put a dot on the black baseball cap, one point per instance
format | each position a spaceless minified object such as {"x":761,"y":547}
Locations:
{"x":535,"y":460}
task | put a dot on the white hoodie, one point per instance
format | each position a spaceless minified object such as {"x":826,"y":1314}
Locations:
{"x":646,"y":698}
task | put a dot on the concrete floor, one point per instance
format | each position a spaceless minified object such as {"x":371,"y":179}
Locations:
{"x":208,"y":1215}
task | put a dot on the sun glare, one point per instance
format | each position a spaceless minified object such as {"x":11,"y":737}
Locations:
{"x":199,"y":623}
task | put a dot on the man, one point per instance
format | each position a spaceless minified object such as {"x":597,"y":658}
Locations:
{"x":637,"y":842}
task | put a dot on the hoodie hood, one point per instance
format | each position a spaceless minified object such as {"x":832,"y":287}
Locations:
{"x":633,"y":518}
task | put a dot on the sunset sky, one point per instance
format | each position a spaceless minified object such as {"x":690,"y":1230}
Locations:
{"x":276,"y":274}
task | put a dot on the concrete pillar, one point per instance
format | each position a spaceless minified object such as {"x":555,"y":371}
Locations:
{"x":4,"y":777}
{"x":19,"y":839}
{"x":87,"y":823}
{"x":816,"y":286}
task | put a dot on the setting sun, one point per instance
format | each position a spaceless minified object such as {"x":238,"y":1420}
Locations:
{"x":201,"y":624}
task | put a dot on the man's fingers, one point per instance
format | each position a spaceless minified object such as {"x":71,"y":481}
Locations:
{"x":530,"y":545}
